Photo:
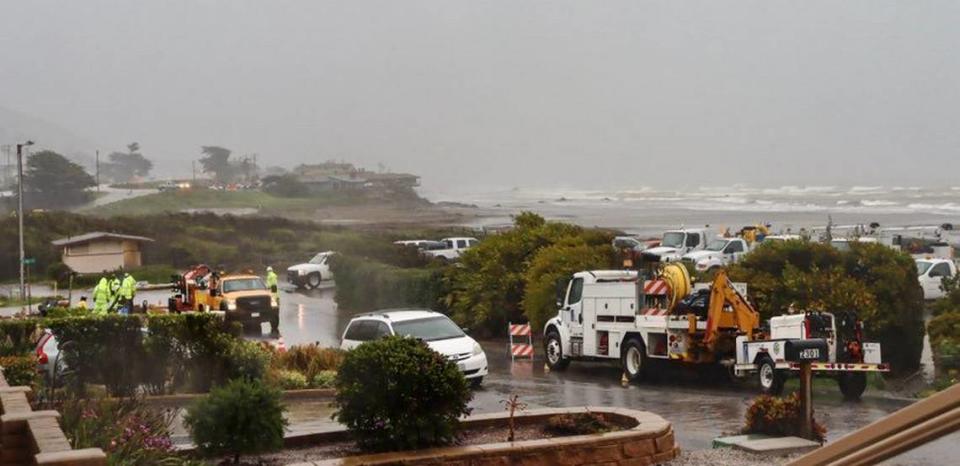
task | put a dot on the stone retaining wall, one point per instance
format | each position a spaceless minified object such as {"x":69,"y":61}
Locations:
{"x":29,"y":437}
{"x":647,"y":440}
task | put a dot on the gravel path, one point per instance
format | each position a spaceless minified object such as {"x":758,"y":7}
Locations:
{"x":726,"y":457}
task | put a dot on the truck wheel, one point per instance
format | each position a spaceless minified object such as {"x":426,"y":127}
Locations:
{"x":771,"y":380}
{"x":553,"y":348}
{"x":633,"y":359}
{"x":852,"y":385}
{"x":313,"y":280}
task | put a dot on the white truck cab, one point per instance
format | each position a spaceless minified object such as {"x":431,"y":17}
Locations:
{"x":931,"y":272}
{"x":721,"y":252}
{"x":453,"y":248}
{"x":676,"y":243}
{"x":312,"y":273}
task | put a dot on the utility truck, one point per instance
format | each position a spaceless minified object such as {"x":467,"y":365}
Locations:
{"x":615,"y":315}
{"x":675,"y":244}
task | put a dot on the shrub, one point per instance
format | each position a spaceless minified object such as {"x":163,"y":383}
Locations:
{"x":308,"y":359}
{"x":945,"y":343}
{"x":289,"y":380}
{"x":19,"y":370}
{"x":779,"y":417}
{"x":489,"y":283}
{"x":106,"y":349}
{"x":324,"y":379}
{"x":127,"y":430}
{"x":241,"y":417}
{"x":874,"y":280}
{"x":578,"y":424}
{"x":246,"y":360}
{"x":18,"y":336}
{"x":364,"y":285}
{"x":397,"y":393}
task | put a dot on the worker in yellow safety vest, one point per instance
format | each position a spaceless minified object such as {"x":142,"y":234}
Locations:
{"x":114,"y":297}
{"x":128,"y":288}
{"x":101,"y":296}
{"x":273,"y":285}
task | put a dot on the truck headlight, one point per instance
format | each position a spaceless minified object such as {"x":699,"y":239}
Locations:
{"x":231,"y":305}
{"x":477,"y":349}
{"x":273,"y":302}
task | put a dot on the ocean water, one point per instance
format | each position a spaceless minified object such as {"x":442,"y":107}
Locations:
{"x":649,"y":211}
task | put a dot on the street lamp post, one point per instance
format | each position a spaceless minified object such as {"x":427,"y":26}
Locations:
{"x":23,"y":290}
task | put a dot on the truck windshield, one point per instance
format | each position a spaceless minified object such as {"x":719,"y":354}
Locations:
{"x":673,"y":239}
{"x":319,"y":259}
{"x":243,"y":284}
{"x":923,"y":266}
{"x":717,"y":245}
{"x":429,"y":329}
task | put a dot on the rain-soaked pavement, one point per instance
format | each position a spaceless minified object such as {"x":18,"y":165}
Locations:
{"x":699,"y":412}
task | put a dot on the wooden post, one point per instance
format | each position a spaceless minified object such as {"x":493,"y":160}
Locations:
{"x":806,"y":400}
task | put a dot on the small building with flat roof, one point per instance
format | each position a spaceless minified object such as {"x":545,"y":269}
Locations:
{"x":99,"y":251}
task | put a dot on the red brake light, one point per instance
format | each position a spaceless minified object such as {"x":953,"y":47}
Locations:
{"x":42,"y":357}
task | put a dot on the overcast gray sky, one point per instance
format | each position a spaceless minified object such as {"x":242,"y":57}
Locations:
{"x":587,"y":94}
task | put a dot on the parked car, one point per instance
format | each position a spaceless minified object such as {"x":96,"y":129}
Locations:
{"x":311,"y":273}
{"x":931,"y":272}
{"x":49,"y":363}
{"x":437,"y":330}
{"x":453,"y":248}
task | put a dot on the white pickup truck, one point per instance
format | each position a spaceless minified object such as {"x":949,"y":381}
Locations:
{"x":721,"y":252}
{"x":931,"y":272}
{"x":312,"y":273}
{"x":675,"y":244}
{"x":453,"y":248}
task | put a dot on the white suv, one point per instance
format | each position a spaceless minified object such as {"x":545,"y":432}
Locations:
{"x":437,"y":330}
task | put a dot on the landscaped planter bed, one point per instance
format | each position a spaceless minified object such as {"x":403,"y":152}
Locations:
{"x":639,"y":438}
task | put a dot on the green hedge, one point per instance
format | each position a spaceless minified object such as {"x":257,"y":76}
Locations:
{"x":18,"y":336}
{"x":364,"y":284}
{"x":160,"y":353}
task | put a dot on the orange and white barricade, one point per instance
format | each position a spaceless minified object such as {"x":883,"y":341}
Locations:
{"x":520,"y":350}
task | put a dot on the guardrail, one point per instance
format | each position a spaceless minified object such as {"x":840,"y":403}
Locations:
{"x":902,"y":431}
{"x":29,"y":437}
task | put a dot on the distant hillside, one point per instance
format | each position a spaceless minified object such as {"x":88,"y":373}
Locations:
{"x":17,"y":127}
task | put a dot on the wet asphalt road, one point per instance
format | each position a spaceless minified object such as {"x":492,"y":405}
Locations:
{"x":698,"y":410}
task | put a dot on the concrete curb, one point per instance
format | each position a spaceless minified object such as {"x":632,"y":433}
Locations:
{"x":182,"y":399}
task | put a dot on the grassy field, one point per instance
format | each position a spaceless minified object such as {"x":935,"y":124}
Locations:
{"x":202,"y":199}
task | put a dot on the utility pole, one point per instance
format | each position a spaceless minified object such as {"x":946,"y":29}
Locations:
{"x":193,"y":165}
{"x":23,"y":291}
{"x":98,"y":170}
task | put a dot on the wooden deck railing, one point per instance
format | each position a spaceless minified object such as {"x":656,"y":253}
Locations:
{"x":904,"y":430}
